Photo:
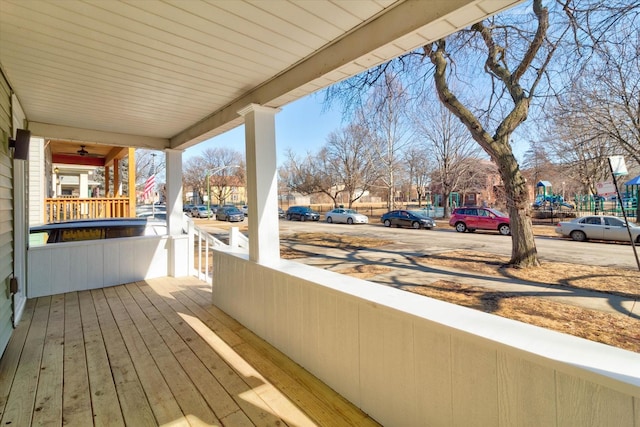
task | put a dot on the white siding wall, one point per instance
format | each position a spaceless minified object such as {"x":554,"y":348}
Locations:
{"x":76,"y":266}
{"x":408,"y":360}
{"x":6,"y":215}
{"x":37,"y":181}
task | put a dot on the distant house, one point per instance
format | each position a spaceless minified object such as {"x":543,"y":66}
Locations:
{"x":227,"y":189}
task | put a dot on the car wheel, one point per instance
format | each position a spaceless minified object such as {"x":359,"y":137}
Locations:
{"x":329,"y":220}
{"x":288,"y":217}
{"x":504,"y":229}
{"x":349,"y":221}
{"x":638,"y":239}
{"x":578,"y":236}
{"x":461,"y":227}
{"x":303,"y":218}
{"x":387,"y":223}
{"x":415,"y":224}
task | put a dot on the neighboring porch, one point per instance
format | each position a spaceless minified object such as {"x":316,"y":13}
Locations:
{"x":71,"y":171}
{"x":154,"y":352}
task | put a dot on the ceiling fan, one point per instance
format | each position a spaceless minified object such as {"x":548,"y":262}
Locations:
{"x":83,"y":152}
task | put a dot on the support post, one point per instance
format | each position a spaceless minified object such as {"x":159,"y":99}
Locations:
{"x":262,"y":183}
{"x":624,"y":215}
{"x":132,"y":182}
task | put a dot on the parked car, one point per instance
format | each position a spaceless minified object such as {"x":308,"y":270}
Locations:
{"x":187,"y":208}
{"x":471,"y":218}
{"x":245,"y":210}
{"x":88,"y":229}
{"x":302,"y":213}
{"x":281,"y":213}
{"x":404,"y":218}
{"x":201,"y":211}
{"x":348,"y":216}
{"x":229,"y":213}
{"x":598,"y":227}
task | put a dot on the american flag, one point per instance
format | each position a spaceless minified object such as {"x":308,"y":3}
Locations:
{"x":149,"y":186}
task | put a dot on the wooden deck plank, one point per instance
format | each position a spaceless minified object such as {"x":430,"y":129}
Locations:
{"x":193,"y":405}
{"x":104,"y":397}
{"x":48,"y":409}
{"x":11,"y":356}
{"x":133,"y":401}
{"x":21,"y":402}
{"x":161,"y":400}
{"x":198,"y":335}
{"x":305,"y":390}
{"x":154,"y":353}
{"x":76,"y":397}
{"x":215,"y":395}
{"x":285,"y":374}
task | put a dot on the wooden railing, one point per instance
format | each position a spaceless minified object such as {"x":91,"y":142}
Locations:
{"x":63,"y":209}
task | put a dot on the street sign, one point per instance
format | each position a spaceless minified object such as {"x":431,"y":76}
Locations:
{"x":606,"y":188}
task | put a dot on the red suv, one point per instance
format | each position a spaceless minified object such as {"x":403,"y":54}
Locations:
{"x":475,"y":218}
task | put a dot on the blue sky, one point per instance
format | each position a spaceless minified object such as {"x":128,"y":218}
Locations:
{"x":301,"y":126}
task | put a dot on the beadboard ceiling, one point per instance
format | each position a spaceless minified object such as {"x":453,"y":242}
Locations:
{"x":172,"y":73}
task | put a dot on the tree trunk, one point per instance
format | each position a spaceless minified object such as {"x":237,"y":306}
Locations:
{"x":523,"y":246}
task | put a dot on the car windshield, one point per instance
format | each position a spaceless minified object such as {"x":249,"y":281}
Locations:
{"x":420,"y":214}
{"x":233,"y":211}
{"x":498,"y":213}
{"x":350,"y":211}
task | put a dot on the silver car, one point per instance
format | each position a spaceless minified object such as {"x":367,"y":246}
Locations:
{"x":347,"y":216}
{"x":598,"y":227}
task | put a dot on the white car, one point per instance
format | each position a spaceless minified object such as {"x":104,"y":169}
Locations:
{"x":348,"y":216}
{"x":598,"y":227}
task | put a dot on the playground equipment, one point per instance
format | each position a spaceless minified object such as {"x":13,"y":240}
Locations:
{"x":546,"y":199}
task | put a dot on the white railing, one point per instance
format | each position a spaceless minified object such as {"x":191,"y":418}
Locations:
{"x":201,"y":259}
{"x":409,"y":360}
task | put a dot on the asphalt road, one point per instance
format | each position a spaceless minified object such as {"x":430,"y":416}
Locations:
{"x":446,"y":238}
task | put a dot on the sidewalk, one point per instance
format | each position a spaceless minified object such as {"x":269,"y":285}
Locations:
{"x":404,"y":271}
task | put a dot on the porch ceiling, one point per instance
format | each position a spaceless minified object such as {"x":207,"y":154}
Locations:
{"x":173,"y":73}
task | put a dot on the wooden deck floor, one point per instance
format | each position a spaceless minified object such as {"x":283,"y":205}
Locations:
{"x":154,"y":353}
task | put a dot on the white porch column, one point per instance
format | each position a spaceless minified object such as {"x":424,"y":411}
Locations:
{"x":84,"y":185}
{"x":178,"y":249}
{"x":262,"y":183}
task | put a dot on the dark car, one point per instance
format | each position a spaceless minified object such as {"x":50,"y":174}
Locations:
{"x":229,"y":213}
{"x":471,"y":218}
{"x":403,"y":218}
{"x":302,"y":213}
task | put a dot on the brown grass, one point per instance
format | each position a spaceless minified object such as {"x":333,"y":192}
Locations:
{"x":613,"y":329}
{"x":594,"y":278}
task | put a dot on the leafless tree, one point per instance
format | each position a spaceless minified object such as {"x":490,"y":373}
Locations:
{"x":388,"y":123}
{"x":419,"y":163}
{"x":449,"y":144}
{"x":301,"y":174}
{"x":603,"y":101}
{"x":350,"y":155}
{"x":192,"y":178}
{"x":506,"y":60}
{"x":224,"y":167}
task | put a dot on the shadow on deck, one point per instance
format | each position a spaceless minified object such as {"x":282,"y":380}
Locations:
{"x":154,"y":352}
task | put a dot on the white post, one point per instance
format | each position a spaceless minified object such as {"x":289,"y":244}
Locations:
{"x":179,"y":250}
{"x":262,"y":183}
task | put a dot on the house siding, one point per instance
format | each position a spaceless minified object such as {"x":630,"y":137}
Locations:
{"x":37,"y":185}
{"x":6,"y":215}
